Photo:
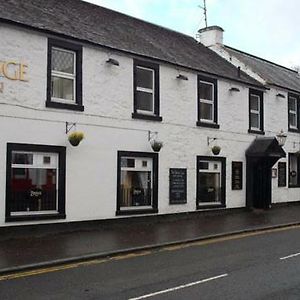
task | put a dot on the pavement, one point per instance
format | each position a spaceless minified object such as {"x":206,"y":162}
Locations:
{"x":29,"y":247}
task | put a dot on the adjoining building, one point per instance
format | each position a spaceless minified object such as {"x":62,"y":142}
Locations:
{"x":170,"y":126}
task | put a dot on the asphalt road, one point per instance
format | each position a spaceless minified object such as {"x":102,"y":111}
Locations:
{"x":263,"y":266}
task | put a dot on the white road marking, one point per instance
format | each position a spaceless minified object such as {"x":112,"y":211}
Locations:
{"x":179,"y":287}
{"x":289,"y":256}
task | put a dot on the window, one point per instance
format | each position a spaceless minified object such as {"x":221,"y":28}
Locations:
{"x":207,"y":102}
{"x":294,"y":170}
{"x":294,"y":111}
{"x":146,"y":91}
{"x":256,"y":112}
{"x":35,"y":187}
{"x":137,"y":182}
{"x":210,"y":182}
{"x":64,"y":75}
{"x":281,"y":174}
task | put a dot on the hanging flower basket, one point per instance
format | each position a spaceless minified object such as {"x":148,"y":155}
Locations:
{"x":75,"y":138}
{"x":156,"y":145}
{"x":216,"y":150}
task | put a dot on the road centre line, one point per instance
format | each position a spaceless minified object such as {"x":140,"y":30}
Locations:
{"x":290,"y":256}
{"x":179,"y":287}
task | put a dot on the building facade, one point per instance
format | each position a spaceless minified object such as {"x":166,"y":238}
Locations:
{"x":126,"y":101}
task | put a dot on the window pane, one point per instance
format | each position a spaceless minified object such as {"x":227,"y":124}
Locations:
{"x":136,"y":188}
{"x":144,"y":78}
{"x":203,"y":165}
{"x":292,"y":104}
{"x":206,"y":91}
{"x":33,"y":190}
{"x":127,"y":162}
{"x":62,"y":88}
{"x":144,"y":101}
{"x":293,"y":170}
{"x":22,"y":158}
{"x":209,"y":187}
{"x":293,"y":121}
{"x":206,"y":111}
{"x":254,"y":102}
{"x":254,"y":121}
{"x":62,"y":61}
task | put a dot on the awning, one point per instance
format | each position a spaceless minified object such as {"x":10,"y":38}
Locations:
{"x":265,"y":147}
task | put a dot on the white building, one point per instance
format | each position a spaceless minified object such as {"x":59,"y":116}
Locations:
{"x":72,"y":66}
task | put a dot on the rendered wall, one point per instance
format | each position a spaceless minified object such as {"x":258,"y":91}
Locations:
{"x":91,"y":180}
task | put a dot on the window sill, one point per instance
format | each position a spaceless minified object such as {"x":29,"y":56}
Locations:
{"x":34,"y":217}
{"x":60,"y":105}
{"x":209,"y":125}
{"x":293,"y":186}
{"x":146,"y":117}
{"x":256,"y":132}
{"x":294,"y":130}
{"x":136,"y":212}
{"x":207,"y":206}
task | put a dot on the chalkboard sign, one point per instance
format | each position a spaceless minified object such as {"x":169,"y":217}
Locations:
{"x":237,"y":175}
{"x":178,"y":186}
{"x":281,"y":174}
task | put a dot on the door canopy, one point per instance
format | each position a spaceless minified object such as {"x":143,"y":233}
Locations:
{"x":266,"y":148}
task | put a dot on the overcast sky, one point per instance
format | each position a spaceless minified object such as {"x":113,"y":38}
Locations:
{"x":267,"y":28}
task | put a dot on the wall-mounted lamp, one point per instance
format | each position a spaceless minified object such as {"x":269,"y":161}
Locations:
{"x":281,"y":138}
{"x":182,"y":77}
{"x":234,"y":89}
{"x":113,"y":62}
{"x":156,"y":144}
{"x":280,"y":95}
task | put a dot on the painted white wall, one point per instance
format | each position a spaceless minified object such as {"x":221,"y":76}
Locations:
{"x":91,"y":178}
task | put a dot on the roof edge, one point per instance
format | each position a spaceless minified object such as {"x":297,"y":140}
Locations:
{"x":138,"y":19}
{"x":61,"y":35}
{"x":257,"y":57}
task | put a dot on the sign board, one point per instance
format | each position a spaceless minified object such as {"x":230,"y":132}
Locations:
{"x":178,"y":186}
{"x":281,"y":174}
{"x":237,"y":175}
{"x":12,"y":70}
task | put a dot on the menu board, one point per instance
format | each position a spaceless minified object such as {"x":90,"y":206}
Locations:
{"x":281,"y":174}
{"x":178,"y":186}
{"x":237,"y":175}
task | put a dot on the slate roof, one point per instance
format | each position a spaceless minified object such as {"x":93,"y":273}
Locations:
{"x":90,"y":23}
{"x":274,"y":74}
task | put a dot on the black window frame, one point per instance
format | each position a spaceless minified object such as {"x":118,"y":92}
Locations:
{"x":297,"y":185}
{"x":223,"y":181}
{"x":61,"y":151}
{"x":78,"y":89}
{"x":281,"y":181}
{"x":155,"y":67}
{"x":260,"y":94}
{"x":134,"y":154}
{"x":291,"y":129}
{"x":214,"y":82}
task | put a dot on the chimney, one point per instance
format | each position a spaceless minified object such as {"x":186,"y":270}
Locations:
{"x":211,"y":36}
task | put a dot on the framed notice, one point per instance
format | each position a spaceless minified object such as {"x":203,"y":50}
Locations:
{"x":237,"y":175}
{"x":282,"y":174}
{"x":178,"y":186}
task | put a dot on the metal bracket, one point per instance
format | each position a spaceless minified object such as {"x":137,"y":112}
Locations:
{"x":152,"y":135}
{"x":209,"y":140}
{"x":69,"y":126}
